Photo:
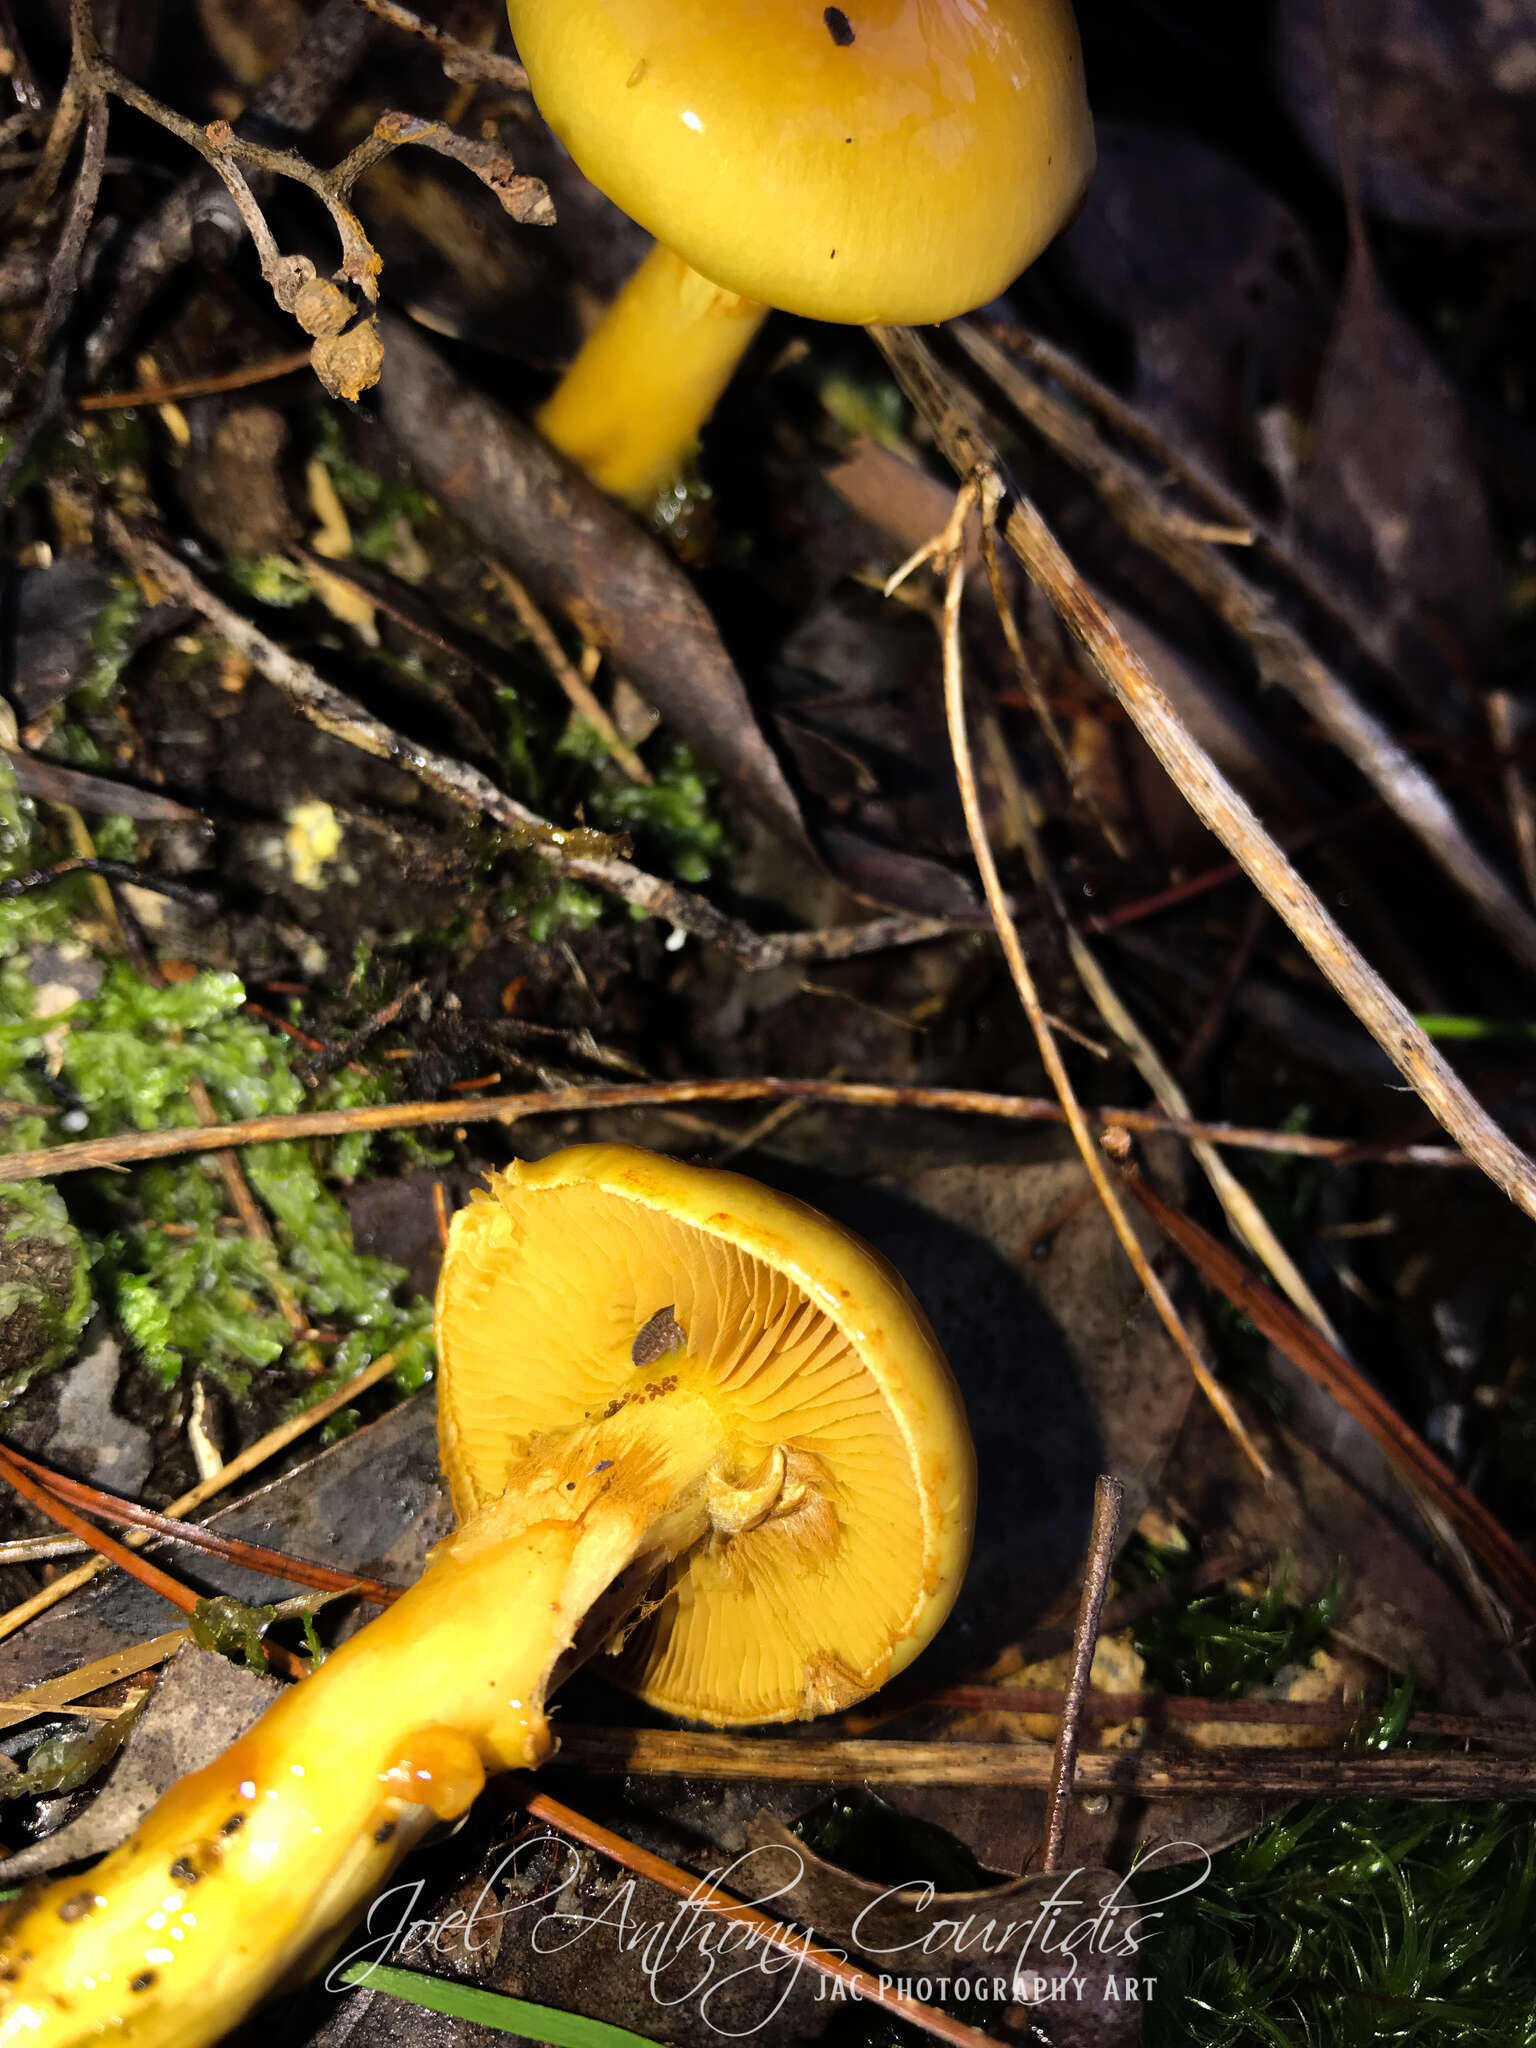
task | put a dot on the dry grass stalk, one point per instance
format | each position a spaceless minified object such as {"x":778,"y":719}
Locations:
{"x":955,"y":422}
{"x":949,"y":547}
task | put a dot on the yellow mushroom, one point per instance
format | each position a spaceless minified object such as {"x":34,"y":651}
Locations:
{"x":665,"y":1393}
{"x":880,"y":161}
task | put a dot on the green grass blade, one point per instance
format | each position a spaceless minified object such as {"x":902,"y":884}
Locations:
{"x":493,"y":2009}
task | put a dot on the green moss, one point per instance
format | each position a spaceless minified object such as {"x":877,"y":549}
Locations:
{"x":184,"y":1283}
{"x":112,"y":644}
{"x":367,"y":495}
{"x":1220,"y":1644}
{"x":45,"y":1285}
{"x":271,"y":580}
{"x":1345,"y":1924}
{"x":670,"y":817}
{"x":233,"y":1629}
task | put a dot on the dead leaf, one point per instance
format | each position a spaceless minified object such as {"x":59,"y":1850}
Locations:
{"x":1009,"y":1933}
{"x":583,"y":557}
{"x":1439,"y":105}
{"x":1393,"y":502}
{"x":1228,"y":324}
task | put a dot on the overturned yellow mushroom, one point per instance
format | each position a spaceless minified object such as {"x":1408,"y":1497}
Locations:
{"x":665,"y":1393}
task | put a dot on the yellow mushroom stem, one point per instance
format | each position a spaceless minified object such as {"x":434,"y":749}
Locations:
{"x":630,"y":407}
{"x":248,"y":1873}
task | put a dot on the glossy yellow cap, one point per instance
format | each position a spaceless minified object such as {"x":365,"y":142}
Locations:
{"x":882,"y":161}
{"x":815,"y":1365}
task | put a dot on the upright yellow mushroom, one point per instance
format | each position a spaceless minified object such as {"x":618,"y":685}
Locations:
{"x":880,"y":161}
{"x":664,"y":1391}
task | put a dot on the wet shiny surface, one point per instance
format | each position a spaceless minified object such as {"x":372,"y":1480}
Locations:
{"x":886,"y":160}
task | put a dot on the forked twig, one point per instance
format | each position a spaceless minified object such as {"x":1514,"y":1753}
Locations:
{"x":347,"y":354}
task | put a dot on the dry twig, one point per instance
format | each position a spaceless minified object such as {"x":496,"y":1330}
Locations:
{"x":1282,"y":654}
{"x":1108,"y":1498}
{"x":955,"y":422}
{"x":132,"y":1148}
{"x":1244,"y":1772}
{"x":980,"y":490}
{"x":461,"y":62}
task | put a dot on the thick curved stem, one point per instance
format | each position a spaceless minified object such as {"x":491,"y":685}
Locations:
{"x":630,"y":407}
{"x":248,"y":1872}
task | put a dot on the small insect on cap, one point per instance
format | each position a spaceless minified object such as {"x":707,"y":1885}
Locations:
{"x":878,"y":161}
{"x":606,"y":1275}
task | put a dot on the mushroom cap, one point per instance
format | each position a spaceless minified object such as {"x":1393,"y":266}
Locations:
{"x":799,"y":1336}
{"x":886,"y":160}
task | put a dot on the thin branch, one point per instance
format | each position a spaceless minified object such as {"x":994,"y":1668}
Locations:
{"x":980,"y":489}
{"x":132,"y":1148}
{"x":953,"y":418}
{"x":1108,"y":1498}
{"x":1281,"y":653}
{"x":120,"y":871}
{"x":265,"y":372}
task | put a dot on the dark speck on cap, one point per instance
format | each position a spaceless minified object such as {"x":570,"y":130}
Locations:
{"x":839,"y":27}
